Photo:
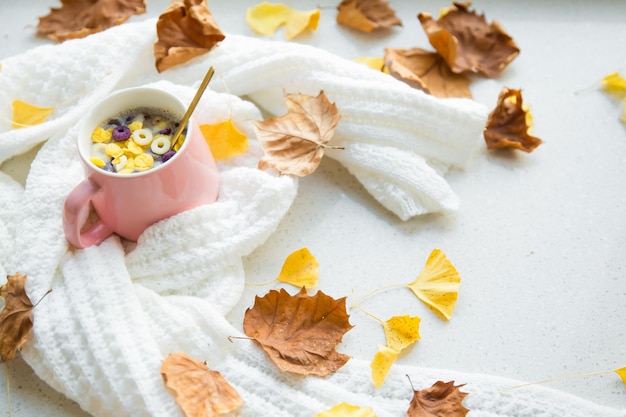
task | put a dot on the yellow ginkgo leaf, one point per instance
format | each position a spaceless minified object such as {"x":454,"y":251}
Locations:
{"x":25,"y":114}
{"x":224,"y":139}
{"x":614,"y":83}
{"x":347,"y":410}
{"x":401,"y":332}
{"x":437,"y":285}
{"x":266,"y":18}
{"x":377,"y":63}
{"x":300,"y":21}
{"x":622,"y":374}
{"x":300,"y":269}
{"x":381,"y":364}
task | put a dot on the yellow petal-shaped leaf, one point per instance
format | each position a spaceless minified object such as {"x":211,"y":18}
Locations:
{"x":224,"y":139}
{"x":377,"y":63}
{"x":347,"y":410}
{"x":299,"y":21}
{"x":401,"y":331}
{"x":614,"y":83}
{"x":25,"y":114}
{"x":437,"y":285}
{"x":381,"y":364}
{"x":622,"y":374}
{"x":266,"y":17}
{"x":300,"y":269}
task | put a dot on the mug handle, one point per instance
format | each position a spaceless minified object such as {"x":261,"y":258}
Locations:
{"x":76,"y":202}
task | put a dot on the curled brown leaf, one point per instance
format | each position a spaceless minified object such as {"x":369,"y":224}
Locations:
{"x":15,"y":318}
{"x":367,"y":15}
{"x":185,"y":30}
{"x":508,"y":125}
{"x":427,"y":71}
{"x":442,"y":399}
{"x":79,"y":18}
{"x":467,"y":43}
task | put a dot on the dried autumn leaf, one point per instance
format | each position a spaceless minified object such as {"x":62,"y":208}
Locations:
{"x":15,"y":318}
{"x":382,"y":363}
{"x":467,"y":43}
{"x":25,"y":114}
{"x":442,"y":399}
{"x":300,"y":269}
{"x":347,"y":410}
{"x":199,"y":391}
{"x":299,"y":332}
{"x":367,"y":15}
{"x":294,"y":143}
{"x":185,"y":30}
{"x":509,"y":124}
{"x":79,"y":18}
{"x":437,"y":284}
{"x":266,"y":18}
{"x":224,"y":140}
{"x":426,"y":71}
{"x":401,"y":331}
{"x":622,"y":374}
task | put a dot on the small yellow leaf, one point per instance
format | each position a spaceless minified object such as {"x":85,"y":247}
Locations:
{"x":401,"y":332}
{"x":622,"y":374}
{"x":614,"y":83}
{"x":437,"y":285}
{"x":347,"y":410}
{"x":224,"y":139}
{"x":377,"y":63}
{"x":300,"y":269}
{"x":266,"y":18}
{"x":300,"y":21}
{"x":381,"y":364}
{"x":25,"y":114}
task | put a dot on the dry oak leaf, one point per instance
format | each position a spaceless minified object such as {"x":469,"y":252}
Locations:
{"x":426,"y":71}
{"x":367,"y":15}
{"x":25,"y":115}
{"x":198,"y":390}
{"x":79,"y":18}
{"x":15,"y":318}
{"x":467,"y":43}
{"x":437,"y":284}
{"x":442,"y":399}
{"x":347,"y":410}
{"x":299,"y":332}
{"x":224,"y":140}
{"x":266,"y":18}
{"x":185,"y":30}
{"x":294,"y":143}
{"x":509,"y":124}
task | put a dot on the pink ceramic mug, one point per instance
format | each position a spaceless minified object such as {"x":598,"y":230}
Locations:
{"x":127,"y":204}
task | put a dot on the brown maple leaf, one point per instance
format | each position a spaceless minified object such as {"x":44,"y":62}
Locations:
{"x":299,"y":332}
{"x":79,"y":18}
{"x":468,"y":43}
{"x":367,"y":15}
{"x":15,"y":318}
{"x":442,"y":399}
{"x":294,"y":143}
{"x":185,"y":30}
{"x":508,"y":125}
{"x":427,"y":71}
{"x":199,"y":391}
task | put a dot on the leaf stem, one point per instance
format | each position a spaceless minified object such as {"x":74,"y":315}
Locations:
{"x":262,"y":284}
{"x":231,"y":338}
{"x":42,"y":297}
{"x":374,"y":292}
{"x":554,"y":380}
{"x":369,"y":314}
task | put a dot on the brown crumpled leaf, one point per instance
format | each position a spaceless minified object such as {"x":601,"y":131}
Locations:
{"x":79,"y":18}
{"x":442,"y":399}
{"x":426,"y":71}
{"x":294,"y":143}
{"x":185,"y":30}
{"x":199,"y":391}
{"x":509,"y":124}
{"x":299,"y":332}
{"x":367,"y":15}
{"x":468,"y":43}
{"x":15,"y":318}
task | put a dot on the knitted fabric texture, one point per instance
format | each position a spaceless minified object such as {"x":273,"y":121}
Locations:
{"x":119,"y":308}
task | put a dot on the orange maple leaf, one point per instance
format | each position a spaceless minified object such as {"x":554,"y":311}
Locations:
{"x":299,"y":332}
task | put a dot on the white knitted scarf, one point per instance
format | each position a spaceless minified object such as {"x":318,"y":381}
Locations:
{"x":118,"y":309}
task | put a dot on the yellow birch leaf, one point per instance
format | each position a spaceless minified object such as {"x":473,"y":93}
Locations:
{"x":437,"y":285}
{"x":299,"y":21}
{"x":622,"y":374}
{"x":266,"y":18}
{"x":25,"y":114}
{"x":381,"y":364}
{"x":614,"y":83}
{"x":401,"y":332}
{"x":300,"y":269}
{"x":347,"y":410}
{"x":224,"y":139}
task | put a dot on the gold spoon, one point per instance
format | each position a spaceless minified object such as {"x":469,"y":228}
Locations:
{"x":192,"y":106}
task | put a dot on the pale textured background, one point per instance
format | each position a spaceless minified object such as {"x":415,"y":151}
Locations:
{"x":540,"y":239}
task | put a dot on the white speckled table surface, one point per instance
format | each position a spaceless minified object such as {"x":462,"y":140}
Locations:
{"x":540,"y":239}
